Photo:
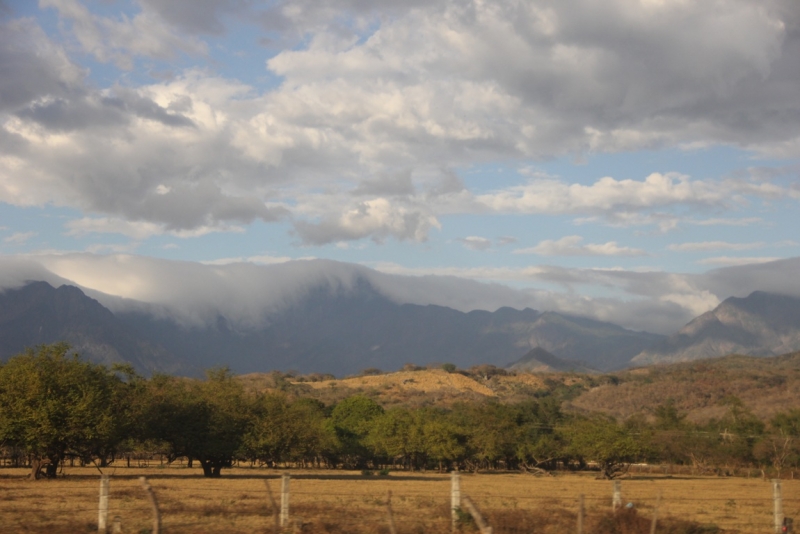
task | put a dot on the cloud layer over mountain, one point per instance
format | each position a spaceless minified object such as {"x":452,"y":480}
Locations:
{"x":245,"y":294}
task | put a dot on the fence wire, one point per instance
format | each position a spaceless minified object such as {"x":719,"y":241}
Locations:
{"x":355,"y":504}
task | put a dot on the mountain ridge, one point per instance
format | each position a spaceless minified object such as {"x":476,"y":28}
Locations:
{"x":760,"y":324}
{"x":333,"y":330}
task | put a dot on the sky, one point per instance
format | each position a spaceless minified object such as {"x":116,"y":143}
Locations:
{"x":561,"y":149}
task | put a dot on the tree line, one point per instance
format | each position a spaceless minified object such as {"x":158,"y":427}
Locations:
{"x":55,"y":406}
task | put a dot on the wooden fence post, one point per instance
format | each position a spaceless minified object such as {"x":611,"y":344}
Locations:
{"x":581,"y":511}
{"x":455,"y":498}
{"x":153,"y":505}
{"x":392,"y":529}
{"x":476,"y":515}
{"x":116,"y":526}
{"x":616,"y":498}
{"x":102,"y":509}
{"x":655,"y":515}
{"x":285,"y":500}
{"x":777,"y":502}
{"x":273,"y":506}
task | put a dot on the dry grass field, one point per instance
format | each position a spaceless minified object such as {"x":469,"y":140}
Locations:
{"x":338,"y":502}
{"x":426,"y":381}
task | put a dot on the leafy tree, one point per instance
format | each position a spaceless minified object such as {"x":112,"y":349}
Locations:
{"x":351,"y":420}
{"x":538,"y":444}
{"x":283,"y":430}
{"x":787,"y":423}
{"x":203,"y":420}
{"x":602,"y":440}
{"x":668,"y":417}
{"x":397,"y":434}
{"x":52,"y":404}
{"x":493,"y":432}
{"x":782,"y":446}
{"x":418,"y":437}
{"x":738,"y":433}
{"x":445,"y":441}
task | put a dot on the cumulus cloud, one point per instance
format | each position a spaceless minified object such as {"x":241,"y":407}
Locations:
{"x":571,"y":246}
{"x":374,"y":93}
{"x":377,"y":218}
{"x":120,"y":40}
{"x":33,"y":67}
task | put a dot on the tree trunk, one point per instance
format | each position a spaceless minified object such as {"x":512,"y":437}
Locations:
{"x":51,"y":469}
{"x":212,"y":468}
{"x":36,"y":469}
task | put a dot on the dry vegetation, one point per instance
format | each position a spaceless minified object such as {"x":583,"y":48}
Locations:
{"x":421,"y":387}
{"x":350,"y":502}
{"x":765,"y":386}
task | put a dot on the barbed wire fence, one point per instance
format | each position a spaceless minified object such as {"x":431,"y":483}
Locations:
{"x":121,"y":498}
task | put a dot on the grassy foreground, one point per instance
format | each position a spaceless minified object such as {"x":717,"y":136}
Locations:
{"x":338,"y":501}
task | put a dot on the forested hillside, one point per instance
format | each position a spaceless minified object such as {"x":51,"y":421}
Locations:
{"x":55,"y":406}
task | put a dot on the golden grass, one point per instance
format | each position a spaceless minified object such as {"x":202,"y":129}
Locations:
{"x":425,"y":381}
{"x":337,"y":501}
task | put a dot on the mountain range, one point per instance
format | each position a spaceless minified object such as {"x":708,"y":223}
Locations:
{"x":761,"y":324}
{"x":344,"y":330}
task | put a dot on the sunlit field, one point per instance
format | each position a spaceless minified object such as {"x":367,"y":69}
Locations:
{"x":344,"y":501}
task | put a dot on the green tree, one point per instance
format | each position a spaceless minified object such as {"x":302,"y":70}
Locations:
{"x":52,"y":404}
{"x":539,"y":446}
{"x":289,"y":431}
{"x":445,"y":440}
{"x":782,"y":446}
{"x":351,"y":420}
{"x":202,"y":420}
{"x":602,"y":440}
{"x":493,"y":432}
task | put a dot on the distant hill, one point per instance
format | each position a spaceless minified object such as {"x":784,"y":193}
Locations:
{"x":762,"y":324}
{"x":702,"y":389}
{"x":539,"y":360}
{"x":329,"y":329}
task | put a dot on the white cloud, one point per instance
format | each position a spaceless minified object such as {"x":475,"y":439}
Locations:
{"x":474,"y":242}
{"x":705,"y":246}
{"x":609,"y":195}
{"x":114,"y":248}
{"x":377,"y":218}
{"x":19,"y":237}
{"x":138,"y":230}
{"x":736,"y":260}
{"x":571,"y":246}
{"x":743,"y":221}
{"x":120,"y":40}
{"x":372,"y":94}
{"x":263,"y":259}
